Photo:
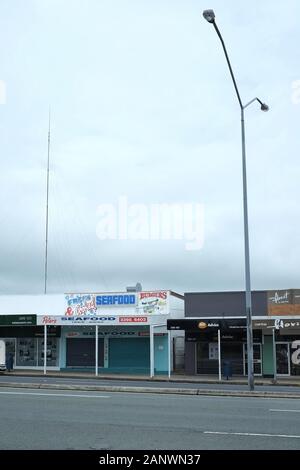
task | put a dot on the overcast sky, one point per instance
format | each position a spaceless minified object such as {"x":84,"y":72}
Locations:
{"x":142,"y":106}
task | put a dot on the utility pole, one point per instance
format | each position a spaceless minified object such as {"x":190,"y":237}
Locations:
{"x":47,"y":210}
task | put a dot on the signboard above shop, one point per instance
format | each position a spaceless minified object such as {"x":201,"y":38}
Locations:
{"x":29,"y":331}
{"x":131,"y":304}
{"x":80,"y":304}
{"x":156,"y":302}
{"x":120,"y":320}
{"x":17,"y":320}
{"x":277,"y":324}
{"x":77,"y":320}
{"x":116,"y":300}
{"x":284,"y":302}
{"x":207,"y":324}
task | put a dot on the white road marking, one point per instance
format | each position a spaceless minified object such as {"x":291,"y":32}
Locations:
{"x":286,"y":411}
{"x":54,"y":394}
{"x":251,"y":434}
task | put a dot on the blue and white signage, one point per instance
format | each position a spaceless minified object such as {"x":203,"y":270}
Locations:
{"x":117,"y":303}
{"x":91,"y":319}
{"x":77,"y":320}
{"x":116,"y":300}
{"x":100,"y":319}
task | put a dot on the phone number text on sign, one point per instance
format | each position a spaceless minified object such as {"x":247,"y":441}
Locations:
{"x":133,"y":320}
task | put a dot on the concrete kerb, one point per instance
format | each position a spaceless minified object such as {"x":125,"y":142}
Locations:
{"x":174,"y":379}
{"x":165,"y":391}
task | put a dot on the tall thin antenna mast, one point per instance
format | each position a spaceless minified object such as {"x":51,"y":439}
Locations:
{"x":47,"y":210}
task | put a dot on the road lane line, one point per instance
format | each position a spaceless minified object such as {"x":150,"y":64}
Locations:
{"x":286,"y":411}
{"x":54,"y":394}
{"x":250,"y":434}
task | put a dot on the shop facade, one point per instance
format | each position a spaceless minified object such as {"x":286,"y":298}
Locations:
{"x":211,"y":342}
{"x":215,"y":333}
{"x":99,"y":343}
{"x":112,"y":332}
{"x":281,"y":345}
{"x":24,"y":339}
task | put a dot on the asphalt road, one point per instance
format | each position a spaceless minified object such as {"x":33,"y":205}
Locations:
{"x":140,"y":383}
{"x":36,"y":419}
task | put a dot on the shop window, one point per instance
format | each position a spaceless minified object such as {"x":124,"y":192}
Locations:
{"x":10,"y":345}
{"x":26,"y":353}
{"x":52,"y":351}
{"x":295,"y":357}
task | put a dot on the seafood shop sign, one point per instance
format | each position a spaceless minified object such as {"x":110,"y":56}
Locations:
{"x":138,"y":303}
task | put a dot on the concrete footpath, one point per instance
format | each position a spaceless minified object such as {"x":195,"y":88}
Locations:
{"x":39,"y":382}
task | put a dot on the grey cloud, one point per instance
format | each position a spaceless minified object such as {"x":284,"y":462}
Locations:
{"x":143,"y":106}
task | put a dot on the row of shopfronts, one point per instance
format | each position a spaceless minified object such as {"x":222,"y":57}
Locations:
{"x":212,"y":342}
{"x":216,"y":334}
{"x":139,"y":333}
{"x":117,"y":332}
{"x":126,"y":349}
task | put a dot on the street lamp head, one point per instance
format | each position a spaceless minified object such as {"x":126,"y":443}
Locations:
{"x":209,"y":15}
{"x":264,"y":107}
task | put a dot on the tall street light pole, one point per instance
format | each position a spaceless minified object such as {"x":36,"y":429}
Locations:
{"x":209,"y":15}
{"x":47,"y":211}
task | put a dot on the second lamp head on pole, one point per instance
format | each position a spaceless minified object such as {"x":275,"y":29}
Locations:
{"x":264,"y":107}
